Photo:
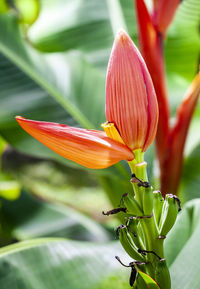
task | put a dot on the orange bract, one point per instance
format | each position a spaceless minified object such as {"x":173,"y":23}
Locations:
{"x":90,"y":148}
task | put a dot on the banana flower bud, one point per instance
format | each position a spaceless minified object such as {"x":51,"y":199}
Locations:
{"x":131,"y":102}
{"x":131,"y":110}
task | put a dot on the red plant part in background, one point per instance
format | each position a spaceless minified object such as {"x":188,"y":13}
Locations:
{"x":170,"y":142}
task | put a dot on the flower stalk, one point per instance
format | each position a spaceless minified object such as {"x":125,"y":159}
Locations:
{"x":141,"y":236}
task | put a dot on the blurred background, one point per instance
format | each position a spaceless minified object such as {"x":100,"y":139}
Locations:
{"x":53,"y":59}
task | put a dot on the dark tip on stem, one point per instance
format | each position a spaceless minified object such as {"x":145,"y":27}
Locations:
{"x":122,"y":199}
{"x":177,"y":201}
{"x":139,"y":182}
{"x":120,"y":227}
{"x":144,"y":184}
{"x":118,"y":259}
{"x":144,"y":252}
{"x":114,"y":211}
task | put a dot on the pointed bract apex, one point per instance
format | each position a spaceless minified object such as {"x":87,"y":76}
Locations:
{"x":19,"y":117}
{"x":122,"y":38}
{"x":131,"y":102}
{"x":121,"y":35}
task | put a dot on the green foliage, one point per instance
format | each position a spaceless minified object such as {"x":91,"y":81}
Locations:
{"x":182,"y":43}
{"x":191,"y":176}
{"x":73,"y":263}
{"x":59,"y":264}
{"x":29,"y":218}
{"x":70,"y":264}
{"x":182,"y":248}
{"x":4,"y":6}
{"x":2,"y":147}
{"x":9,"y":189}
{"x":28,"y":10}
{"x":181,"y":51}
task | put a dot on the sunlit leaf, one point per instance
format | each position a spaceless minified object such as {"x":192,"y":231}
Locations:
{"x":4,"y":6}
{"x":10,"y":190}
{"x":191,"y":176}
{"x":61,"y":264}
{"x":28,"y":10}
{"x":2,"y":147}
{"x":182,"y":248}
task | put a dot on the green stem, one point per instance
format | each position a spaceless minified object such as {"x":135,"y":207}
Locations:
{"x":155,"y":268}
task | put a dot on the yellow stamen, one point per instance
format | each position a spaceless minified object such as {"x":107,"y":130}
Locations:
{"x":111,"y":131}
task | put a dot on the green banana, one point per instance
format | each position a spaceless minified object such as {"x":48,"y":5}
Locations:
{"x":147,"y":201}
{"x":162,"y":276}
{"x":169,"y":215}
{"x":128,"y":244}
{"x":158,"y":205}
{"x":132,"y":205}
{"x":132,"y":225}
